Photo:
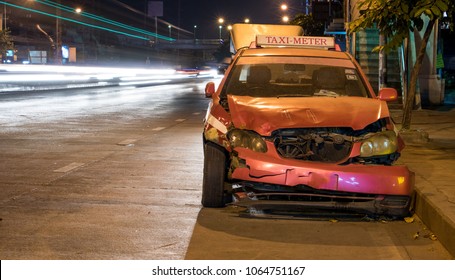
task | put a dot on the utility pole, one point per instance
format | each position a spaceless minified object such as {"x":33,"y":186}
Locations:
{"x":382,"y":64}
{"x":3,"y":18}
{"x":58,"y":36}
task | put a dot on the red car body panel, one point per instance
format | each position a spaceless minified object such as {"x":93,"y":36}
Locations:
{"x":355,"y":178}
{"x":265,"y":115}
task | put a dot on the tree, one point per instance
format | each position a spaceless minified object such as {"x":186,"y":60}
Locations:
{"x":309,"y":25}
{"x":395,"y":20}
{"x":6,"y":42}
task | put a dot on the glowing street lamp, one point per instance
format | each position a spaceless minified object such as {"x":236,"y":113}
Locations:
{"x":170,"y":28}
{"x":78,"y":10}
{"x":247,"y":20}
{"x":285,"y":9}
{"x":220,"y":27}
{"x":194,"y":32}
{"x":221,"y":20}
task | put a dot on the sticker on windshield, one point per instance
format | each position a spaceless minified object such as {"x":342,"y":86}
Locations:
{"x":351,"y":77}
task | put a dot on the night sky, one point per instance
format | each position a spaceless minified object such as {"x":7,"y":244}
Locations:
{"x":204,"y":13}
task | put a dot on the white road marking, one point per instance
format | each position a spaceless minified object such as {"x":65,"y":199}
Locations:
{"x":180,"y":120}
{"x":127,"y":142}
{"x":69,"y":167}
{"x":158,"y":128}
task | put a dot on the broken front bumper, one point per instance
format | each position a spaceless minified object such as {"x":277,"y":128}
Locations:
{"x":270,"y":168}
{"x":378,"y":189}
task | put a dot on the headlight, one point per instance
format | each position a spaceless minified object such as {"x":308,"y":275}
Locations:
{"x":382,"y":143}
{"x":247,"y":139}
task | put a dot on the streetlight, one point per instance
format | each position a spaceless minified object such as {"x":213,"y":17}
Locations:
{"x":285,"y":9}
{"x":247,"y":20}
{"x":220,"y":26}
{"x":170,"y":27}
{"x":78,"y":10}
{"x":194,"y":32}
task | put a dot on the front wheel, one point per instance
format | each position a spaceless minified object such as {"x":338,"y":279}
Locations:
{"x":214,"y":176}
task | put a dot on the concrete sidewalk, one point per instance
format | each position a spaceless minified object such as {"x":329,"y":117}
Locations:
{"x":433,"y":161}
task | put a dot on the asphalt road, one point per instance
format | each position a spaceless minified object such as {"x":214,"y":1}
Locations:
{"x":115,"y":173}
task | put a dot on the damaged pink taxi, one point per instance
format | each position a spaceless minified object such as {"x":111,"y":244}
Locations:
{"x":296,"y":123}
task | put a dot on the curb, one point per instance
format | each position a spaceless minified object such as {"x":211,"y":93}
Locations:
{"x":434,"y":207}
{"x":435,"y":219}
{"x":414,"y":136}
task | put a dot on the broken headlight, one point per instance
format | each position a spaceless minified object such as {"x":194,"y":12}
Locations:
{"x":247,"y":139}
{"x":382,"y":143}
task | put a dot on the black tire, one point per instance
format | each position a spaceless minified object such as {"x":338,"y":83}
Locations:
{"x":214,"y":176}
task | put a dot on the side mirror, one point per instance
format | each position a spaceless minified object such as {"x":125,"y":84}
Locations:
{"x":209,"y":89}
{"x":388,"y":94}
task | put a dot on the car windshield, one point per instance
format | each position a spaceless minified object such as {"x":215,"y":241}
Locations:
{"x":294,"y":77}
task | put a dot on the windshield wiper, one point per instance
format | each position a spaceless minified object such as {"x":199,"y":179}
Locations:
{"x":292,"y":95}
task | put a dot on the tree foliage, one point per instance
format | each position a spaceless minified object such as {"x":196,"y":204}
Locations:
{"x":6,"y":42}
{"x":395,"y":20}
{"x":310,"y":26}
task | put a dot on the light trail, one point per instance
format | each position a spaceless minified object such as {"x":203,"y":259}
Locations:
{"x":45,"y":77}
{"x":102,"y":19}
{"x":84,"y":23}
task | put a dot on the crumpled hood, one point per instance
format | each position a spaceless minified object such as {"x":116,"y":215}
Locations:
{"x":265,"y":115}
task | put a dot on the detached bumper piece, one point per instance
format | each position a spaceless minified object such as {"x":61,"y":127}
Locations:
{"x":390,"y":206}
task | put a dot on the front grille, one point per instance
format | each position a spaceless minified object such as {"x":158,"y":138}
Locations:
{"x":302,"y":200}
{"x":332,"y":145}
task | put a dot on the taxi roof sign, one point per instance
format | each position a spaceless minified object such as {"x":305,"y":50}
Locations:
{"x":296,"y":41}
{"x":242,"y":34}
